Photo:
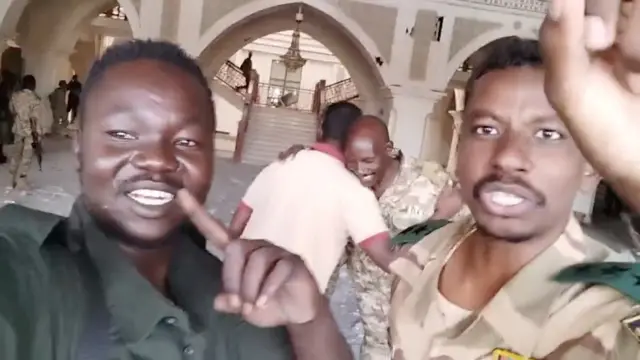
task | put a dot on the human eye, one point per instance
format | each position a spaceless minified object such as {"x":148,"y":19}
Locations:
{"x":187,"y":143}
{"x":548,"y":134}
{"x":485,"y":130}
{"x":121,"y":135}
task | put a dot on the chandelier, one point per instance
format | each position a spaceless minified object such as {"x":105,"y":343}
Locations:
{"x":293,"y":60}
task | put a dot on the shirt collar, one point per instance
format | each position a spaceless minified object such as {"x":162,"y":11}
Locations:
{"x":330,"y":150}
{"x":135,"y":305}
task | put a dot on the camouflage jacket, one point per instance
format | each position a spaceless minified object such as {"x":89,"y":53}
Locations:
{"x":531,"y":317}
{"x":25,"y":104}
{"x":412,"y":197}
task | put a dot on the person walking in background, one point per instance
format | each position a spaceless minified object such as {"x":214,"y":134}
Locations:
{"x":246,"y":67}
{"x":6,"y":90}
{"x":58,"y":101}
{"x":25,"y":105}
{"x":75,"y":88}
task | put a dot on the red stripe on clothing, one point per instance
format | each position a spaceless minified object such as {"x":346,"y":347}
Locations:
{"x":383,"y":236}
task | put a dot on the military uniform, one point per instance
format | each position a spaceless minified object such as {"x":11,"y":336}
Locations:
{"x":409,"y":200}
{"x":103,"y":308}
{"x":25,"y":104}
{"x":531,"y":317}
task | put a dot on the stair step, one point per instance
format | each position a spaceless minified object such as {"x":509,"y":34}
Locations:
{"x":272,"y":131}
{"x":281,"y":134}
{"x":283,"y":122}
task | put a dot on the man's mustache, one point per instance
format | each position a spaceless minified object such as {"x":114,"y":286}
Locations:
{"x":539,"y":197}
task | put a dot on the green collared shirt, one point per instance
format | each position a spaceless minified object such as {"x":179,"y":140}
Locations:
{"x":144,"y":323}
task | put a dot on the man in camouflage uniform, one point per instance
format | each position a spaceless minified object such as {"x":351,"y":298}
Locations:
{"x":25,"y":104}
{"x":484,"y":288}
{"x":406,"y":197}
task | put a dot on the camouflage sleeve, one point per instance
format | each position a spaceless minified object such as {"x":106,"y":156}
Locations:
{"x":416,"y":204}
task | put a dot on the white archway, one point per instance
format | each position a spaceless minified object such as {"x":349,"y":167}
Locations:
{"x":323,"y":22}
{"x":256,"y":7}
{"x":475,"y":45}
{"x":12,"y":10}
{"x":47,"y":46}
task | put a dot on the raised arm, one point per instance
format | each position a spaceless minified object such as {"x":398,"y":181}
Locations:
{"x":593,"y":82}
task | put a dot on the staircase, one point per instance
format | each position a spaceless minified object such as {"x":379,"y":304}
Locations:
{"x":272,"y":130}
{"x":271,"y":124}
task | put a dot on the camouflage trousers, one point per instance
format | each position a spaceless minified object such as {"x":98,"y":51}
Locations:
{"x":373,"y":290}
{"x":21,"y":160}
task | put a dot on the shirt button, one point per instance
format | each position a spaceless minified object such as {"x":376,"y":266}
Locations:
{"x":188,"y":350}
{"x":170,"y":321}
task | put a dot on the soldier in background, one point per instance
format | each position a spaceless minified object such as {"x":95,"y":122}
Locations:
{"x":246,"y":67}
{"x":73,"y":101}
{"x":484,"y":288}
{"x":58,"y":100}
{"x":25,"y":105}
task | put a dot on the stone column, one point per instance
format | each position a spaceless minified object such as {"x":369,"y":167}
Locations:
{"x":457,"y":123}
{"x":44,"y":65}
{"x":409,"y":119}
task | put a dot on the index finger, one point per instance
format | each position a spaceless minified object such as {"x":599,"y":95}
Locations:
{"x":212,"y":229}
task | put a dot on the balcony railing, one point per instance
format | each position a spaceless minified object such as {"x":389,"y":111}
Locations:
{"x":116,"y":13}
{"x":344,"y":90}
{"x":285,"y":97}
{"x":231,"y":75}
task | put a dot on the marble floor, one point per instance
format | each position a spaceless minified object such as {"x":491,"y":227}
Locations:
{"x":56,"y":186}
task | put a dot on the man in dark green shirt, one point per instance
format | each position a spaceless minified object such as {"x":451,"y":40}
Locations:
{"x":126,"y":276}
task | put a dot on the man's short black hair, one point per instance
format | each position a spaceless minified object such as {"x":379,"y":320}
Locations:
{"x":338,"y":118}
{"x":509,"y":52}
{"x":133,"y":50}
{"x":29,"y":82}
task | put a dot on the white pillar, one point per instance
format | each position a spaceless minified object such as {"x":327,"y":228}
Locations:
{"x":45,"y":66}
{"x":409,"y":116}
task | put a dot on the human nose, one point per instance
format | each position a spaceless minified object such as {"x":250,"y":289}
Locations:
{"x":156,"y":158}
{"x":512,"y":154}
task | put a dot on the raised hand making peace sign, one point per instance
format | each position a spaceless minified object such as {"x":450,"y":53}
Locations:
{"x":592,"y":55}
{"x":265,"y":284}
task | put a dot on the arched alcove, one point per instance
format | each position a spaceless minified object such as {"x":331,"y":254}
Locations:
{"x":322,"y":21}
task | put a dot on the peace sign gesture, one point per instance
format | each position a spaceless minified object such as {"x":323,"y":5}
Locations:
{"x":265,"y":284}
{"x":593,"y":82}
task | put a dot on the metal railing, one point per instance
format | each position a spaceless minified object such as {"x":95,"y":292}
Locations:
{"x":231,"y":75}
{"x":344,"y":90}
{"x":285,"y":97}
{"x":116,"y":13}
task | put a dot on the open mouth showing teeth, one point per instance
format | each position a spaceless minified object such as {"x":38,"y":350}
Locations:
{"x":505,"y":199}
{"x":150,"y":197}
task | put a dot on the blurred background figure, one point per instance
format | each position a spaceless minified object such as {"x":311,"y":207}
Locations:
{"x":7,"y":86}
{"x":75,"y":88}
{"x":58,"y":100}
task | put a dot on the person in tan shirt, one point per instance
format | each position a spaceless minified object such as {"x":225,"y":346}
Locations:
{"x":484,"y":287}
{"x":311,"y":204}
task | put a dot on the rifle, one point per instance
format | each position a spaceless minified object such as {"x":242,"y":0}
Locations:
{"x":36,"y":144}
